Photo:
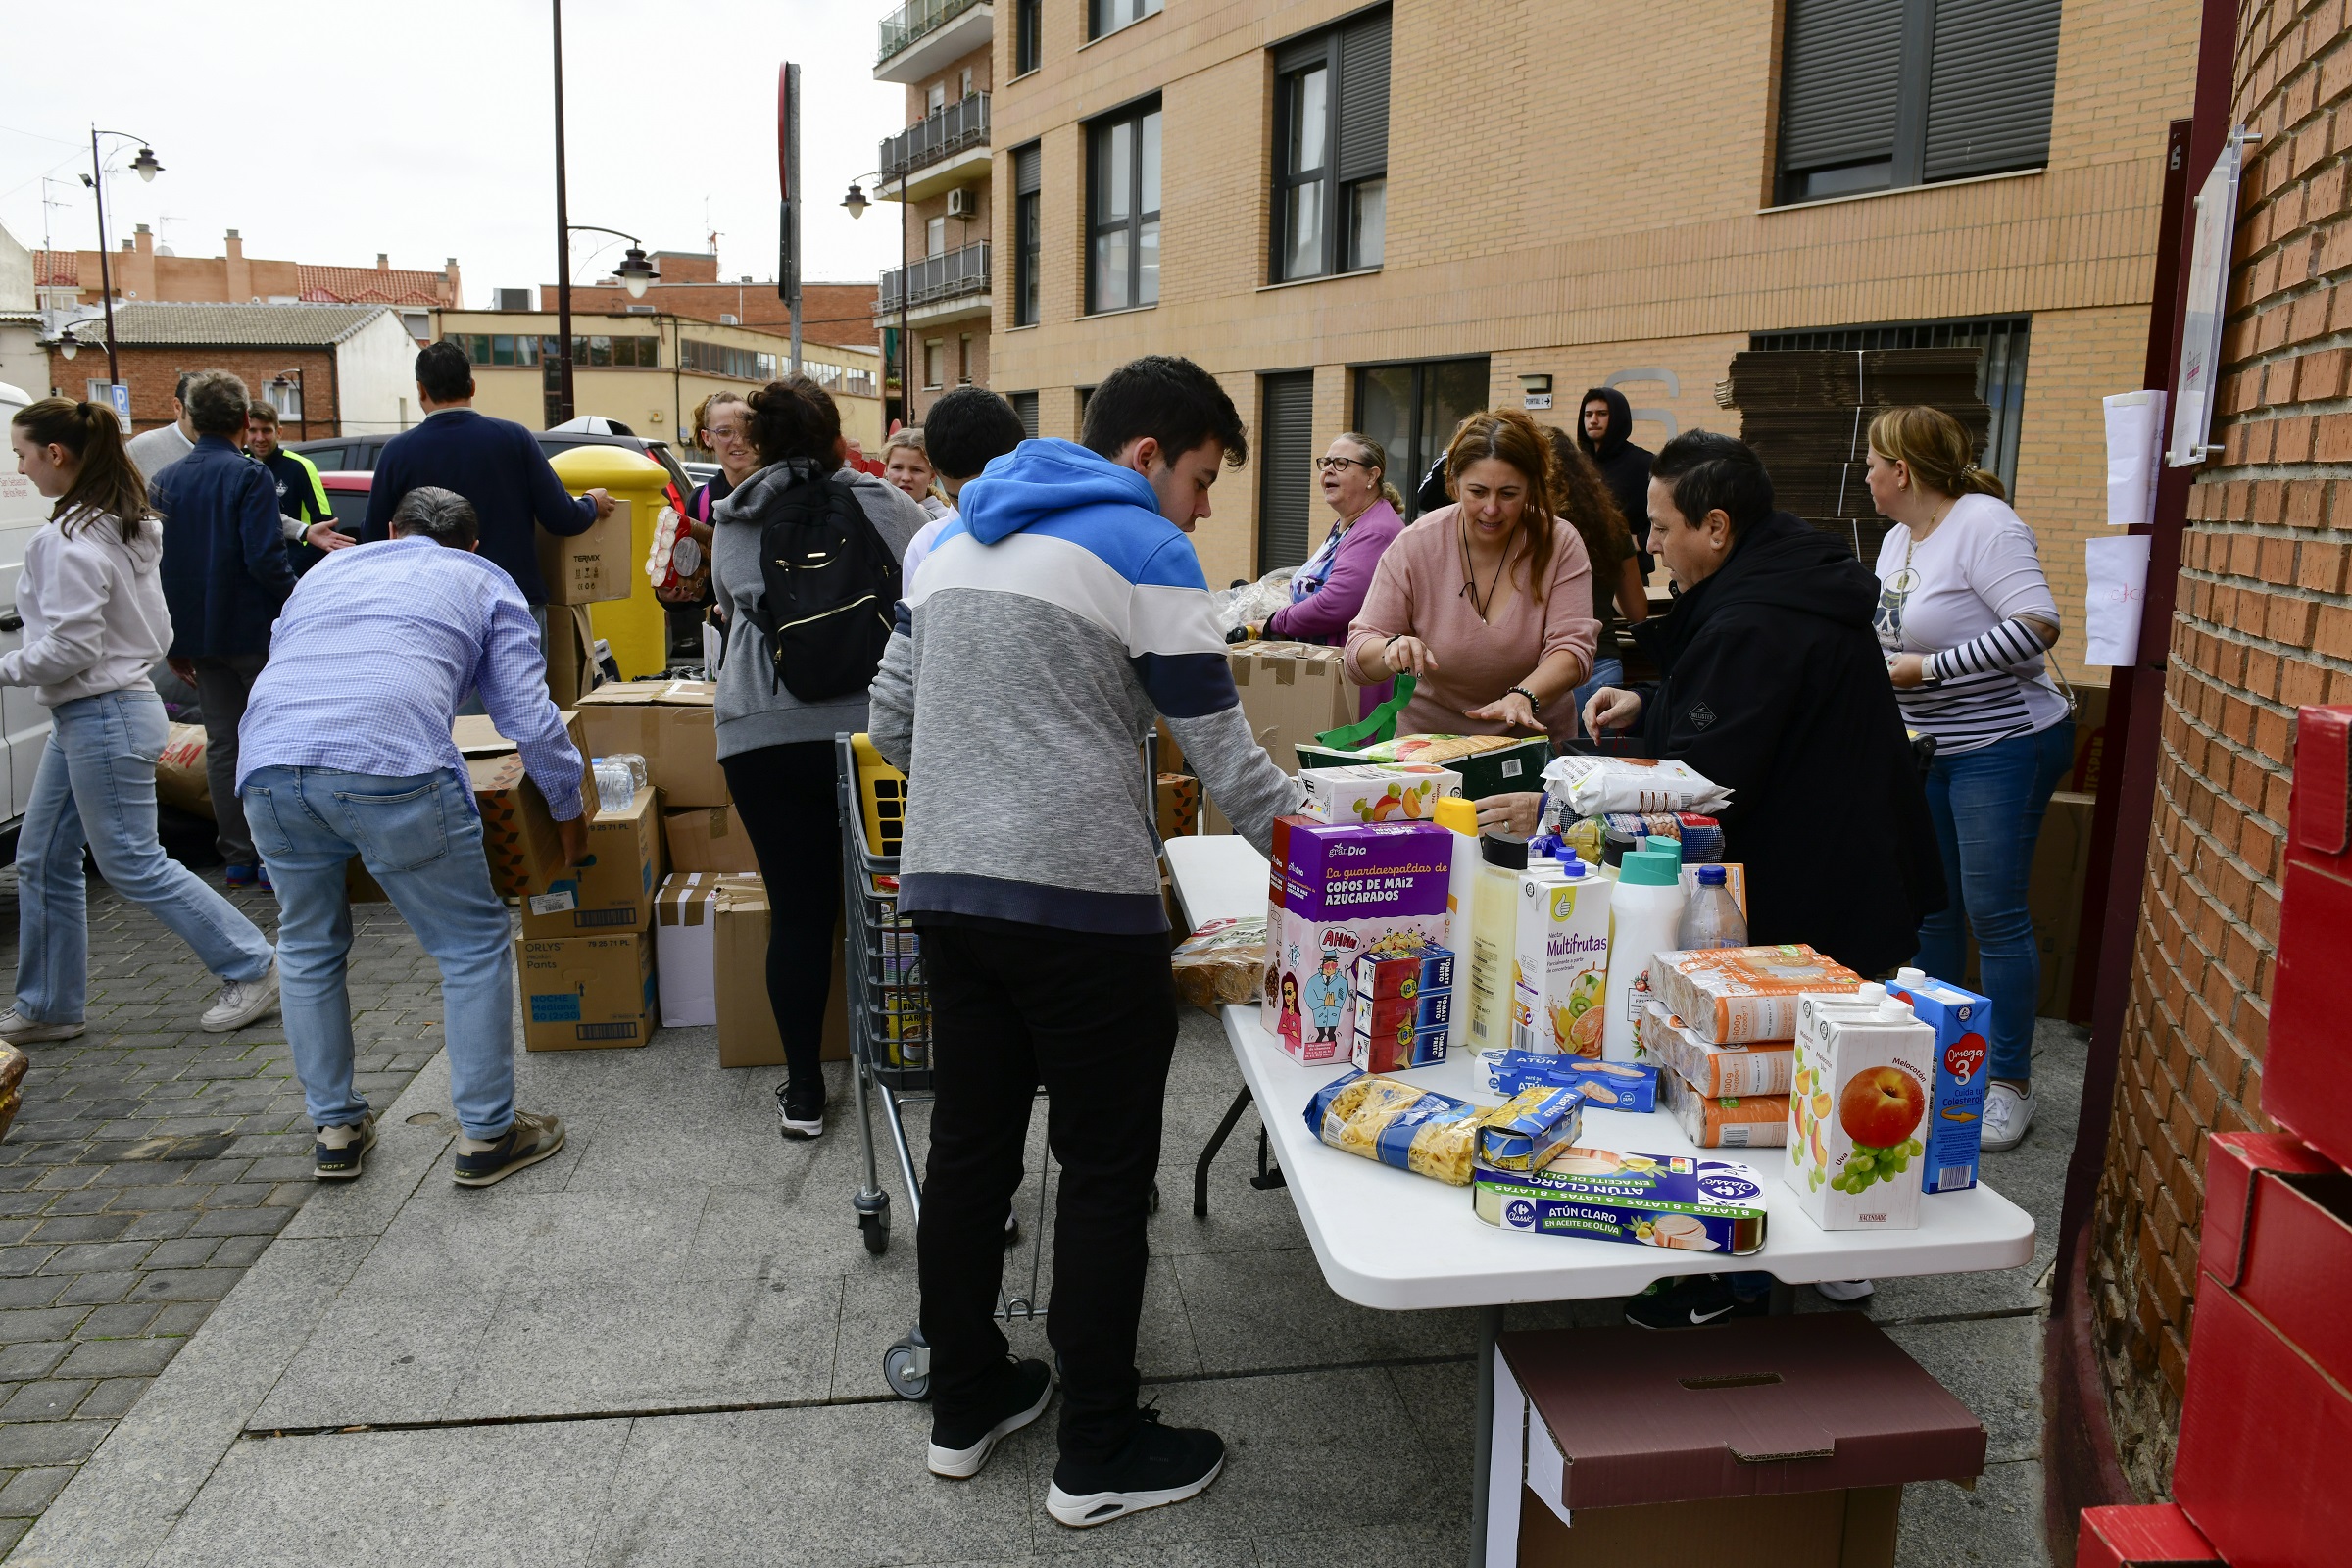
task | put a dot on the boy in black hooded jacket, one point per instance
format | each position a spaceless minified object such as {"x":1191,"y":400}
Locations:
{"x":1605,"y":429}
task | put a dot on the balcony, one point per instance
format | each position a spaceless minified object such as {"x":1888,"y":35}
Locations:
{"x":923,"y":36}
{"x":939,"y":288}
{"x":946,"y":147}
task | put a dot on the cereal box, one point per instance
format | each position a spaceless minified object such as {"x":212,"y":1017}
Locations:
{"x":1724,"y":1121}
{"x":1730,"y":996}
{"x":1963,"y":1022}
{"x":1680,"y":1200}
{"x":1761,"y":1067}
{"x":1335,"y":892}
{"x":1377,"y":792}
{"x":1856,"y":1104}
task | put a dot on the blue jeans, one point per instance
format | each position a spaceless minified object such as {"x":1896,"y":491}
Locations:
{"x":96,"y":786}
{"x":421,"y":840}
{"x":1605,"y":672}
{"x":1988,"y":806}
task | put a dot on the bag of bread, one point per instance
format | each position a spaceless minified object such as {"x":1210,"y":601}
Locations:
{"x":1222,"y":964}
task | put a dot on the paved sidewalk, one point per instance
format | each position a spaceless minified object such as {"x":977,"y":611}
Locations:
{"x":665,"y":1347}
{"x":150,"y":1166}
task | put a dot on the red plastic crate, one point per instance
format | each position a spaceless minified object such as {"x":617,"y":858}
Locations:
{"x":2279,"y":1234}
{"x":2307,"y":1069}
{"x":2155,"y":1536}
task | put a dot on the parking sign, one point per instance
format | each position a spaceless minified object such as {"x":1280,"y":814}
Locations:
{"x":121,"y":396}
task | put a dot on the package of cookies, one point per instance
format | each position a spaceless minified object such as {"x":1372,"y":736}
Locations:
{"x":1759,"y":1067}
{"x":1730,"y":996}
{"x":1725,"y":1122}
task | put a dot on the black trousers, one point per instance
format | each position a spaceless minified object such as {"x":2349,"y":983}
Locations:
{"x":1094,"y":1022}
{"x":787,"y":799}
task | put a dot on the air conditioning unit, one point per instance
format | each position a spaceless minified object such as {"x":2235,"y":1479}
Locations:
{"x":964,"y":202}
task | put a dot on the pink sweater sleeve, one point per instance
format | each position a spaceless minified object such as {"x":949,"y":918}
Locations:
{"x":1326,"y":613}
{"x":1388,"y":607}
{"x":1568,"y":599}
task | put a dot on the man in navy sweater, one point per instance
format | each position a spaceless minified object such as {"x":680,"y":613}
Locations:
{"x":494,"y":464}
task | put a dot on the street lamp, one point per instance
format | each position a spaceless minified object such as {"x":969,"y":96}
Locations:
{"x":856,"y":204}
{"x":68,"y":345}
{"x":302,"y":404}
{"x":146,"y":167}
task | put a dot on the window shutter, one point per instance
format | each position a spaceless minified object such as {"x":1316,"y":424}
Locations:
{"x":1364,"y":98}
{"x":1286,"y":442}
{"x":1989,"y":85}
{"x":1028,"y":170}
{"x":1024,"y":404}
{"x":1840,"y":74}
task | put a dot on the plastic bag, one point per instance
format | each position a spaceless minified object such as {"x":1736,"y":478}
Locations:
{"x":1221,"y":964}
{"x":1594,"y":786}
{"x":1251,"y":604}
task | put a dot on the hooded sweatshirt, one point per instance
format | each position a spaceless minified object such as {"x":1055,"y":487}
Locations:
{"x":93,"y":608}
{"x":1056,"y":615}
{"x":1624,"y":467}
{"x":1775,"y":686}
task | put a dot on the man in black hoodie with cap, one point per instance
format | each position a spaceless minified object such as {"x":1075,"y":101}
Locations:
{"x":1774,"y":684}
{"x":1605,"y":429}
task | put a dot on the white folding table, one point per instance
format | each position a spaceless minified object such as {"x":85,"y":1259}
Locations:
{"x":1387,"y":1239}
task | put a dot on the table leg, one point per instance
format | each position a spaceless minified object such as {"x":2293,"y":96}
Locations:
{"x":1233,"y":1115}
{"x":1490,"y":1324}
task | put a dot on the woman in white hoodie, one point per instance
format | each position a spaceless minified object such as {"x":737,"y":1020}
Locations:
{"x":95,"y":625}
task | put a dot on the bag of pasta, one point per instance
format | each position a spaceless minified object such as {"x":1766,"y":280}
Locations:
{"x":1222,"y":964}
{"x":1408,"y":1127}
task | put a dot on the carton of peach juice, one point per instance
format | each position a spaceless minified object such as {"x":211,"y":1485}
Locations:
{"x":1858,"y":1099}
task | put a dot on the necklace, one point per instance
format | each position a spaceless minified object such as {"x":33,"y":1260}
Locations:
{"x":1470,"y":577}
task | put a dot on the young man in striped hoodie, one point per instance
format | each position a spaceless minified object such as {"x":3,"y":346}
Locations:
{"x":1057,"y":619}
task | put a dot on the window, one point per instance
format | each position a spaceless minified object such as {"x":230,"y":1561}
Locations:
{"x":1877,"y":94}
{"x":598,"y":351}
{"x":1024,"y":404}
{"x":932,"y":354}
{"x":720,"y":359}
{"x":936,"y":99}
{"x":1331,"y":150}
{"x":965,"y":83}
{"x":1106,"y":16}
{"x":1413,"y":410}
{"x":963,"y":359}
{"x":1028,"y":36}
{"x":285,"y":396}
{"x":502,"y":348}
{"x":1286,"y":473}
{"x":935,"y":236}
{"x":1122,"y":263}
{"x":1028,"y":236}
{"x":98,"y":390}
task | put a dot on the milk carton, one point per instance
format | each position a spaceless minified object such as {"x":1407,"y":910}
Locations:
{"x":1962,"y":1021}
{"x":1334,"y":893}
{"x":1857,"y":1104}
{"x":1560,"y":962}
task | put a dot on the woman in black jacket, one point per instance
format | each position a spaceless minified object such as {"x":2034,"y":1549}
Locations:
{"x":1774,"y":685}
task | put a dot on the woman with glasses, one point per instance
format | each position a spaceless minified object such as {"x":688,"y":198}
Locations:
{"x":1327,"y":592}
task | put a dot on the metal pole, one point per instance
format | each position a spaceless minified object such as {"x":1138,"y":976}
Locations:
{"x":563,"y":403}
{"x":302,"y":400}
{"x":106,"y":276}
{"x":906,"y":343}
{"x":792,"y":200}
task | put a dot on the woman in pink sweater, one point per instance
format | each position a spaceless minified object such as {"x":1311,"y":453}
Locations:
{"x":1487,"y":603}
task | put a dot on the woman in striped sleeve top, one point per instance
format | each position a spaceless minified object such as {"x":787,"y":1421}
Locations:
{"x":1965,"y":615}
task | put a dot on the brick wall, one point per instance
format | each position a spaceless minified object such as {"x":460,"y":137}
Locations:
{"x":2263,"y":624}
{"x":152,"y":372}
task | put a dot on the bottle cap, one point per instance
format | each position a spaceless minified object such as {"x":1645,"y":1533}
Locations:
{"x":1710,"y":876}
{"x":1571,"y":868}
{"x":1649,"y":868}
{"x":1666,"y":845}
{"x":1872,"y":992}
{"x":1509,"y":853}
{"x":1616,"y":844}
{"x":1910,"y":976}
{"x":1457,"y":813}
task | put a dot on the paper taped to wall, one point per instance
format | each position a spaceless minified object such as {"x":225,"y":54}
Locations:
{"x":2134,"y":447}
{"x":2117,"y":567}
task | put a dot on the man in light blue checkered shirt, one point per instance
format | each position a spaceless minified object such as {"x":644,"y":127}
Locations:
{"x":346,"y":750}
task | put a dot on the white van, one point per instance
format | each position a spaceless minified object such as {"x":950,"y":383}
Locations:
{"x":24,"y":722}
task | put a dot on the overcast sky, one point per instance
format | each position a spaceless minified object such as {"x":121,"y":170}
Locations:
{"x":326,"y":133}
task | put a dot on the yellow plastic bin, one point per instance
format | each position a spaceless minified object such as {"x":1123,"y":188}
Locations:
{"x":635,"y":624}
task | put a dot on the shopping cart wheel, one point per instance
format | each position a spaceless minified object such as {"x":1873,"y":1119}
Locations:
{"x":876,"y":1230}
{"x":907,"y":1367}
{"x":1155,"y":1197}
{"x":1012,"y":1231}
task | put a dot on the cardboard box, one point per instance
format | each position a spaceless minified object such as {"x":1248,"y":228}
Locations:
{"x":707,"y":838}
{"x":746,"y":1024}
{"x":686,"y":947}
{"x":571,"y":654}
{"x":2304,"y":1085}
{"x":1768,"y":1442}
{"x":518,"y":834}
{"x":2054,"y":898}
{"x":586,"y":993}
{"x":1291,"y":691}
{"x":1179,"y":805}
{"x":614,"y":891}
{"x":584,"y":569}
{"x":1497,"y":771}
{"x":671,"y":725}
{"x":1377,"y":792}
{"x":2155,"y":1534}
{"x":1857,"y":1112}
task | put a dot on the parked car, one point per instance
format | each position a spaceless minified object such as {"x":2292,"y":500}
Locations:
{"x":359,"y":454}
{"x":24,"y":722}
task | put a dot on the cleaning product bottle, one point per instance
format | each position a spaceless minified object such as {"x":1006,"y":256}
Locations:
{"x":1493,"y":927}
{"x":1461,"y":901}
{"x":1712,"y":917}
{"x":1645,"y":917}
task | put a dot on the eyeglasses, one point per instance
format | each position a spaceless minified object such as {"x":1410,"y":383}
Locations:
{"x":1335,"y":464}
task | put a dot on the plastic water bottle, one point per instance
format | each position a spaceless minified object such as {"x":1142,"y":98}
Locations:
{"x":1712,"y":917}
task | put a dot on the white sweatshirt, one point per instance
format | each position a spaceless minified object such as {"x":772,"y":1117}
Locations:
{"x":95,"y":619}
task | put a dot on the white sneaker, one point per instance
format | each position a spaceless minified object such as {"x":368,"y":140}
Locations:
{"x":1845,"y":1289}
{"x":243,"y":1001}
{"x":17,"y":1030}
{"x":2008,"y":1112}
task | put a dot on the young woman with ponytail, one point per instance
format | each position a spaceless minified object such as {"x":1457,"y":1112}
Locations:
{"x":95,"y":624}
{"x":1966,"y":618}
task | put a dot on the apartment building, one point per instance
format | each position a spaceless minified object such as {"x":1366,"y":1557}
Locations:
{"x":934,"y":312}
{"x":1382,"y":218}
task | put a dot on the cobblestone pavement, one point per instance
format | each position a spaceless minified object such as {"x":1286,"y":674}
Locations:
{"x":149,"y":1166}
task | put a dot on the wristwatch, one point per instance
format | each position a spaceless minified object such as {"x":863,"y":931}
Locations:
{"x":1535,"y":704}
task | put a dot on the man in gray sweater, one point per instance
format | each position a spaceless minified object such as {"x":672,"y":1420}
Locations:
{"x":1056,"y":617}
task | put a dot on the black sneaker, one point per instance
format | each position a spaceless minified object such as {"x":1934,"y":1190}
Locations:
{"x":958,"y":1448}
{"x":801,"y":1110}
{"x":1161,"y":1465}
{"x":1693,"y":1303}
{"x":340,"y":1151}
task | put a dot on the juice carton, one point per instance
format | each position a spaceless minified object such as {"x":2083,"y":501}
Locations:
{"x":1962,"y":1021}
{"x":1377,"y":792}
{"x":1560,"y":964}
{"x":1857,"y":1104}
{"x":1335,"y":893}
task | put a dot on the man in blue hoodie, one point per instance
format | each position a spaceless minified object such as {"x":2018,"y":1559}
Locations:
{"x":1060,"y":615}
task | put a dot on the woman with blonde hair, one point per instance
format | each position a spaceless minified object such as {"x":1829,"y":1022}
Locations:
{"x":907,"y":469}
{"x":1368,"y":514}
{"x":1488,"y":602}
{"x":1966,"y":618}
